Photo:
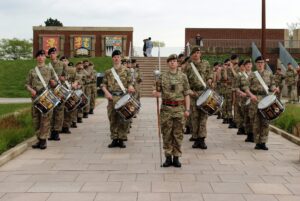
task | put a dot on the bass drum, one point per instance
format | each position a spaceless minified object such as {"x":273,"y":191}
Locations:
{"x":210,"y":102}
{"x":127,"y":107}
{"x":46,"y":102}
{"x":270,"y":107}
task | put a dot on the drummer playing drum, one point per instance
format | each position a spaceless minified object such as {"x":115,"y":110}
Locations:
{"x":113,"y":92}
{"x":36,"y":86}
{"x":256,"y":92}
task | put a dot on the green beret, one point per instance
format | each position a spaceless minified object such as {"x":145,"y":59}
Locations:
{"x":172,"y":57}
{"x":195,"y":49}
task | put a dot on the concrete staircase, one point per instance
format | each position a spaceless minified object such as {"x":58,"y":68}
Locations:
{"x":147,"y":66}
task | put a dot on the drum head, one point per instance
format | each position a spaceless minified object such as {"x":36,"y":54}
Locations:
{"x":203,"y":97}
{"x":266,"y":101}
{"x":123,"y":100}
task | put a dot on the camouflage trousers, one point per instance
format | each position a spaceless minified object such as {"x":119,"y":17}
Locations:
{"x":227,"y":105}
{"x":41,"y":123}
{"x":199,"y":121}
{"x":240,"y":112}
{"x":58,"y":117}
{"x":87,"y":91}
{"x":118,"y":127}
{"x":292,"y":93}
{"x":171,"y":122}
{"x":248,"y":119}
{"x":93,"y":95}
{"x":260,"y":125}
{"x":69,"y":118}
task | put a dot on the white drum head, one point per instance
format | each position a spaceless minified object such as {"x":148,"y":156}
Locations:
{"x":123,"y":100}
{"x":266,"y":101}
{"x":203,"y":97}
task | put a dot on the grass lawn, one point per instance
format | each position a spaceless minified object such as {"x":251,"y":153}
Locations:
{"x":289,"y":118}
{"x":13,"y":74}
{"x":9,"y":108}
{"x":14,"y":129}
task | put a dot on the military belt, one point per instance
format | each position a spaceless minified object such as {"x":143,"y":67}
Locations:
{"x":117,"y":93}
{"x":172,"y":103}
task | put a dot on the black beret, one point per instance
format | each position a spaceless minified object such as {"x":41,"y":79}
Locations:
{"x":234,"y":56}
{"x":180,"y":55}
{"x":226,"y":60}
{"x":40,"y":52}
{"x":51,"y":50}
{"x":195,"y":49}
{"x":71,"y":64}
{"x":116,"y":52}
{"x":63,"y":57}
{"x":171,"y":57}
{"x":216,"y":63}
{"x":289,"y":63}
{"x":241,"y":63}
{"x":133,"y":61}
{"x":259,"y":58}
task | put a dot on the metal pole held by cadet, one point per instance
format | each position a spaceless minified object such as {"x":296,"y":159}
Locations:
{"x":157,"y":74}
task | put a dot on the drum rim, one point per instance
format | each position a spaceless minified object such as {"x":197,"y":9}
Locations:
{"x":116,"y":108}
{"x":273,"y":97}
{"x":207,"y":90}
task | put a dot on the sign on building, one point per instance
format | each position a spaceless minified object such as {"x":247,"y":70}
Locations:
{"x":113,"y":43}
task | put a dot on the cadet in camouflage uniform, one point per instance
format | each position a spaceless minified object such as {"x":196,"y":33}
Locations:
{"x":80,"y":78}
{"x":241,"y":98}
{"x":93,"y":88}
{"x":234,"y":67}
{"x":216,"y":83}
{"x":199,"y":118}
{"x":41,"y":123}
{"x":138,"y":79}
{"x":173,"y":87}
{"x":278,"y":79}
{"x":58,"y":112}
{"x":113,"y":92}
{"x":256,"y":92}
{"x":69,"y":116}
{"x":87,"y":86}
{"x":291,"y":82}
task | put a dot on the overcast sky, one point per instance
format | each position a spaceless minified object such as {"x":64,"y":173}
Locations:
{"x":163,"y":20}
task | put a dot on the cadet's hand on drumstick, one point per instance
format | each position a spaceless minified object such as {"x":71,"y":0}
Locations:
{"x":33,"y":93}
{"x":253,"y":98}
{"x":131,"y":89}
{"x":276,"y":90}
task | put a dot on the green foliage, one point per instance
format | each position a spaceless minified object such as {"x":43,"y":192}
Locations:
{"x":12,"y":107}
{"x":289,"y":118}
{"x":53,"y":22}
{"x":13,"y":74}
{"x":15,"y":132}
{"x":15,"y":48}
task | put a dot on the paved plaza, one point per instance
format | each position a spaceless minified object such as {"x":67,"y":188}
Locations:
{"x":81,"y":168}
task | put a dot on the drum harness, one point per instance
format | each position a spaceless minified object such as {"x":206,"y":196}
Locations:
{"x":56,"y":77}
{"x":262,"y":82}
{"x":117,"y":78}
{"x":37,"y":70}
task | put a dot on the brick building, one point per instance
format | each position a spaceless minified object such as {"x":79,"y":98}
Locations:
{"x":83,"y":41}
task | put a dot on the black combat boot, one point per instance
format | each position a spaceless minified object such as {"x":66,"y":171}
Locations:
{"x":257,"y":146}
{"x":219,"y":115}
{"x":196,"y":144}
{"x":85,"y":115}
{"x":91,"y":111}
{"x":168,"y":161}
{"x":176,"y":162}
{"x":79,"y":120}
{"x":73,"y":125}
{"x":65,"y":130}
{"x":263,"y":146}
{"x":249,"y":138}
{"x":113,"y":144}
{"x":43,"y":144}
{"x":241,"y":131}
{"x":202,"y":144}
{"x":187,"y":130}
{"x":231,"y":123}
{"x":37,"y":144}
{"x":121,"y":144}
{"x":225,"y":121}
{"x":54,"y":136}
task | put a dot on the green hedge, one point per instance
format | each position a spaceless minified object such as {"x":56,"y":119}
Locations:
{"x":289,"y":118}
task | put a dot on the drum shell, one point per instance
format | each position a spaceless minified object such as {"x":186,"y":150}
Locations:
{"x":128,"y":109}
{"x":46,"y":97}
{"x":210,"y":102}
{"x":272,"y":110}
{"x":73,"y":102}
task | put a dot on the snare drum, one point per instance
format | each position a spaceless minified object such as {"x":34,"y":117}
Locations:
{"x":270,"y":107}
{"x":46,"y":102}
{"x":84,"y":99}
{"x":127,"y":107}
{"x":62,"y":93}
{"x":210,"y":102}
{"x":73,"y":102}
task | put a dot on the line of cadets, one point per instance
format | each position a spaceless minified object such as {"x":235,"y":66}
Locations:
{"x":82,"y":76}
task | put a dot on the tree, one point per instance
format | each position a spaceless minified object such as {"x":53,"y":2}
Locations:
{"x":53,"y":22}
{"x":15,"y":48}
{"x":160,"y":43}
{"x":292,"y":27}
